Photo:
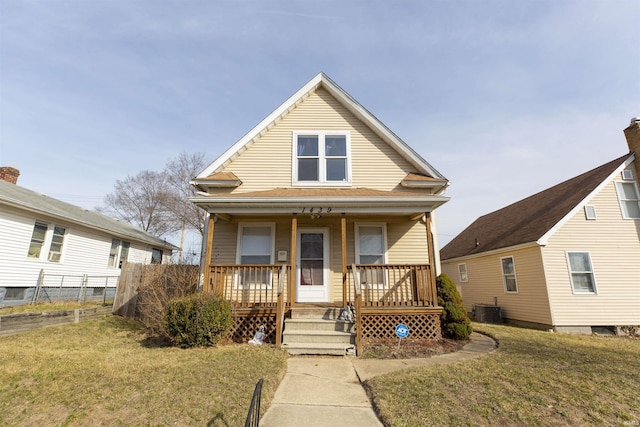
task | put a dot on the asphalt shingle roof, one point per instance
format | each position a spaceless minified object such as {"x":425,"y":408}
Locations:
{"x":14,"y":195}
{"x":529,"y":219}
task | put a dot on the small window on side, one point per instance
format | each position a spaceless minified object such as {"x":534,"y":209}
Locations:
{"x":14,"y":294}
{"x":590,"y":212}
{"x":509,"y":274}
{"x":37,"y":239}
{"x":156,"y":256}
{"x":462,"y":270}
{"x":582,"y":279}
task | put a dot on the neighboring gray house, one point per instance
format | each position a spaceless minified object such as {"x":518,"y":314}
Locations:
{"x":64,"y":246}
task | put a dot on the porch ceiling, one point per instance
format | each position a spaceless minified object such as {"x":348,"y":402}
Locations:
{"x":329,"y":200}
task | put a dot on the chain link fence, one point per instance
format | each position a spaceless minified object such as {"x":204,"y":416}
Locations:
{"x":80,"y":288}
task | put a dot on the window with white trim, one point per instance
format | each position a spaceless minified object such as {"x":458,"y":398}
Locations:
{"x":256,"y":246}
{"x":371,"y":249}
{"x":46,"y":239}
{"x":37,"y":239}
{"x":321,"y":158}
{"x":55,"y":249}
{"x":509,"y":274}
{"x":462,"y":271}
{"x":629,"y":199}
{"x":119,"y":253}
{"x":582,"y":279}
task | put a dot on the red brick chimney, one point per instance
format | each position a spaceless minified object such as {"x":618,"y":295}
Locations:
{"x":632,"y":133}
{"x":9,"y":174}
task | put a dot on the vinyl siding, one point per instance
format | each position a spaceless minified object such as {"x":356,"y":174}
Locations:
{"x":375,"y":164}
{"x":406,"y":241}
{"x":485,"y":284}
{"x":84,"y":251}
{"x":614,"y":245}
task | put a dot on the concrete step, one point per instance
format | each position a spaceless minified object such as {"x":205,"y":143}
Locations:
{"x":327,"y":313}
{"x":320,"y":349}
{"x":319,"y":325}
{"x":327,"y":337}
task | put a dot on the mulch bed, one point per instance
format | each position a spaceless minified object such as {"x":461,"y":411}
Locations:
{"x":387,"y":348}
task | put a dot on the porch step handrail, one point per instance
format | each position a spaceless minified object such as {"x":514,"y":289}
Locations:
{"x":357,"y":306}
{"x":280,"y":306}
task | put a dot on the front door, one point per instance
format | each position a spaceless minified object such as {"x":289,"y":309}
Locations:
{"x":312,"y":273}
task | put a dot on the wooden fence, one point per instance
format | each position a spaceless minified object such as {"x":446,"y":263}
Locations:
{"x":162,"y":281}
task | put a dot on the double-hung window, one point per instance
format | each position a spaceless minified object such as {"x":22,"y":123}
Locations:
{"x":122,"y":248}
{"x":629,"y":199}
{"x":509,"y":274}
{"x":51,"y":238}
{"x":55,"y":250}
{"x":37,"y":239}
{"x":371,"y":250}
{"x":256,"y":243}
{"x":462,"y":271}
{"x":581,"y":272}
{"x":321,"y":158}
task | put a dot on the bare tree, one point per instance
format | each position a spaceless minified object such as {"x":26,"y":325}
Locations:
{"x":179,"y":173}
{"x":142,"y":200}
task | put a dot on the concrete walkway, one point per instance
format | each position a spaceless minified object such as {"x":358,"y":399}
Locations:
{"x":326,"y":391}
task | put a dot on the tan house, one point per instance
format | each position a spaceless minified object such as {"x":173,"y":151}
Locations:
{"x":567,"y":258}
{"x":319,"y":207}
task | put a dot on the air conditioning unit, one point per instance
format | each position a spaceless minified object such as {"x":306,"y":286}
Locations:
{"x":488,"y":313}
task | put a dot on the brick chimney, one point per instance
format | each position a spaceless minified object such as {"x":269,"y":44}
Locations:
{"x":632,"y":133}
{"x":9,"y":174}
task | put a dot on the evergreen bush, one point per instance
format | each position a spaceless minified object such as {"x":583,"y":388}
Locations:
{"x":455,"y":322}
{"x":197,"y":320}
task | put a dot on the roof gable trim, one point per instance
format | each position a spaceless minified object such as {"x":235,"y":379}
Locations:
{"x":343,"y":97}
{"x":545,"y":238}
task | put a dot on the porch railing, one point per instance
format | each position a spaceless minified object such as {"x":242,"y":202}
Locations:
{"x":250,"y":285}
{"x":390,"y":285}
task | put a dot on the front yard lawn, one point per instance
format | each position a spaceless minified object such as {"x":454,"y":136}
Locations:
{"x":105,"y":372}
{"x":533,"y":378}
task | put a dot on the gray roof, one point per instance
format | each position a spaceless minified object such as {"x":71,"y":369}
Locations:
{"x":22,"y":198}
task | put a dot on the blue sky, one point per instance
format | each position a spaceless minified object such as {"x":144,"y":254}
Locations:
{"x":504,"y":98}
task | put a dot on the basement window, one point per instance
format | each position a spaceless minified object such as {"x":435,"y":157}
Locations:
{"x":14,"y":294}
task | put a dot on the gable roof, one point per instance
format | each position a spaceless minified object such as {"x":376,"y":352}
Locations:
{"x":532,"y":219}
{"x":321,"y":80}
{"x":40,"y":204}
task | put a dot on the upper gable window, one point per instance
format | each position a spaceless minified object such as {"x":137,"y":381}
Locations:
{"x":321,"y":158}
{"x":629,"y":199}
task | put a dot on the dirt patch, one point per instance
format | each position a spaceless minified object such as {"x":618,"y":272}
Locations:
{"x":387,"y":348}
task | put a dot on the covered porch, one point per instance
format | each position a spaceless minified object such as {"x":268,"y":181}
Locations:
{"x":326,"y":257}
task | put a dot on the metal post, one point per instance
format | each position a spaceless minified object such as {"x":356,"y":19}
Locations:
{"x":36,"y":294}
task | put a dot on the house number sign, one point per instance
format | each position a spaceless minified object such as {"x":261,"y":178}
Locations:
{"x":316,"y":210}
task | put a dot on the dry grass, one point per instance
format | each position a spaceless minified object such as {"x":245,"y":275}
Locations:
{"x":105,"y":372}
{"x":54,"y":306}
{"x":534,"y":378}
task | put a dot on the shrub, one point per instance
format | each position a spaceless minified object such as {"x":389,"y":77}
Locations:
{"x":160,"y":284}
{"x":455,"y":322}
{"x":197,"y":320}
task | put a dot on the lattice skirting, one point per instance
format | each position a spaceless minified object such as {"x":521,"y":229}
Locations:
{"x":245,"y":326}
{"x":421,"y":325}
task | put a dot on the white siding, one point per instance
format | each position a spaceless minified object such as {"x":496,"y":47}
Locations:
{"x":85,"y":251}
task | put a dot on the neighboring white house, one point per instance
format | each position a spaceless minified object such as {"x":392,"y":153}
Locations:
{"x":56,"y":244}
{"x":566,"y":258}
